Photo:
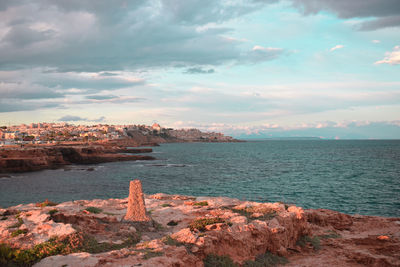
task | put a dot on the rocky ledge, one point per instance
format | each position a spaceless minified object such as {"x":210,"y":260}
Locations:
{"x":189,"y":231}
{"x":50,"y":157}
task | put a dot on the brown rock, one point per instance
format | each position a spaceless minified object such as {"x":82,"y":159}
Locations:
{"x":136,"y":208}
{"x":324,"y":217}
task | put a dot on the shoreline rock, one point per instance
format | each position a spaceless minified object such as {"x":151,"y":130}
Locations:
{"x":187,"y":231}
{"x":52,"y":157}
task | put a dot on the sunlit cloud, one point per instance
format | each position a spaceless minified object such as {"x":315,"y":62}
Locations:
{"x":336,"y":47}
{"x":392,"y":58}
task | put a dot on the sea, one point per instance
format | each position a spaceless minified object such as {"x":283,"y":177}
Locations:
{"x":350,"y":176}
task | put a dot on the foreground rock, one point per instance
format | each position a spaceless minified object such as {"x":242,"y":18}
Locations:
{"x":188,"y":231}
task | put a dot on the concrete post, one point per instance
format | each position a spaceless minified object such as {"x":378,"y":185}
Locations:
{"x":136,"y":207}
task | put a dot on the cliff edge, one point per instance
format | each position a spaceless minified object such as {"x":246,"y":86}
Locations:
{"x":190,"y":231}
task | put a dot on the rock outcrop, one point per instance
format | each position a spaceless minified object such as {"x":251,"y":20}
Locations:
{"x":38,"y":158}
{"x":188,"y":231}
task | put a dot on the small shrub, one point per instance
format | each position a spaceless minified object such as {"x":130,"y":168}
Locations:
{"x":168,"y":240}
{"x":46,"y":203}
{"x":314,"y":241}
{"x":158,"y":226}
{"x":17,"y":224}
{"x":94,"y":210}
{"x":268,"y":214}
{"x":76,"y":242}
{"x":330,"y":234}
{"x":266,"y":260}
{"x":19,"y":232}
{"x":52,"y":212}
{"x":172,"y":223}
{"x":201,"y":203}
{"x":3,"y":218}
{"x":151,"y":254}
{"x":200,"y":224}
{"x":218,"y":261}
{"x":166,"y":205}
{"x":244,"y":212}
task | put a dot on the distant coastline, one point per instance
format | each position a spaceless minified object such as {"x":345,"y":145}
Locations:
{"x":36,"y":147}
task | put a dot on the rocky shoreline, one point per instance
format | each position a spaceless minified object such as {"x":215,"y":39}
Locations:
{"x":13,"y":160}
{"x":193,"y":231}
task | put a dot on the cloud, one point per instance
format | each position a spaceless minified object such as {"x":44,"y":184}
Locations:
{"x":199,"y":71}
{"x":323,"y":129}
{"x":386,"y":14}
{"x":336,"y":47}
{"x":91,"y":81}
{"x":100,"y":97}
{"x":392,"y":58}
{"x":78,"y":118}
{"x":111,"y":99}
{"x":25,"y":90}
{"x":376,"y":41}
{"x":260,"y":54}
{"x":79,"y":36}
{"x":12,"y":105}
{"x":386,"y":22}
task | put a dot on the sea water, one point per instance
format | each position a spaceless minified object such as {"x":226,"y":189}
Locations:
{"x":351,"y":176}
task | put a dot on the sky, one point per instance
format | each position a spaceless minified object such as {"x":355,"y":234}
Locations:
{"x":247,"y":68}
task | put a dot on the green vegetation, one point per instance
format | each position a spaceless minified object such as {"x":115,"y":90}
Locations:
{"x":17,"y":224}
{"x":158,"y":226}
{"x":19,"y":232}
{"x":46,"y":203}
{"x":76,"y":242}
{"x":330,"y":234}
{"x":52,"y":212}
{"x":266,"y":260}
{"x":201,"y":203}
{"x":200,"y":224}
{"x":218,"y":261}
{"x":168,"y":240}
{"x":166,"y":205}
{"x":313,"y":241}
{"x":267,"y":214}
{"x":94,"y":210}
{"x":151,"y":254}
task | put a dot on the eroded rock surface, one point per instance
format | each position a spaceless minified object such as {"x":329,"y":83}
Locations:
{"x":184,"y":230}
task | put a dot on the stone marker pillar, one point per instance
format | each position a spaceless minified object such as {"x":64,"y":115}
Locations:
{"x":136,"y":208}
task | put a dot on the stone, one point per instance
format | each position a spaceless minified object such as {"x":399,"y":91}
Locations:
{"x":136,"y":211}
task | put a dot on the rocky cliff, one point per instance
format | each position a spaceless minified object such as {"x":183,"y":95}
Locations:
{"x":38,"y":158}
{"x":189,"y":231}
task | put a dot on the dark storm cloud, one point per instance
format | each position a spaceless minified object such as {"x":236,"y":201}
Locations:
{"x":392,"y":21}
{"x":351,"y":9}
{"x":387,"y":12}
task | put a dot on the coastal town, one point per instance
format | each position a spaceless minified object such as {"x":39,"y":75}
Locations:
{"x":56,"y":133}
{"x":39,"y":146}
